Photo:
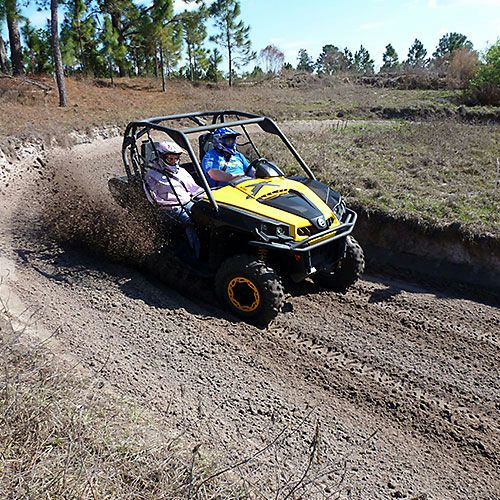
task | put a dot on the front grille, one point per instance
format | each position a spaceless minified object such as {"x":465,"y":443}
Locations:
{"x":306,"y":231}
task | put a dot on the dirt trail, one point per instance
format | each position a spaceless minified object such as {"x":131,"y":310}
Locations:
{"x":397,"y":381}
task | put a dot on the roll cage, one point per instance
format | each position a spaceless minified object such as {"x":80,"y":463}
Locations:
{"x":204,"y":121}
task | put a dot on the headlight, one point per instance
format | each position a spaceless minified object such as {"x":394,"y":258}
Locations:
{"x":279,"y":230}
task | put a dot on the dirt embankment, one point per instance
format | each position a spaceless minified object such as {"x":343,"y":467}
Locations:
{"x":437,"y":113}
{"x":388,"y":391}
{"x":443,"y":253}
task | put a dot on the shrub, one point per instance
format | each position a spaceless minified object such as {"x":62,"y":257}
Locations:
{"x":484,"y":88}
{"x":462,"y":66}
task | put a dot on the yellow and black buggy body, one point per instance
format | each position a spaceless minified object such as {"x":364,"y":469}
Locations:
{"x":258,"y":233}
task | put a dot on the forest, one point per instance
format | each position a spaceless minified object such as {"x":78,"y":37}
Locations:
{"x":209,"y":41}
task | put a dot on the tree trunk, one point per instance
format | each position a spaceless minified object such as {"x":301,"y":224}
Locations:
{"x":4,"y":68}
{"x":117,"y":24}
{"x":136,"y":62}
{"x":162,"y":69}
{"x":110,"y":66}
{"x":56,"y":54}
{"x":14,"y":37}
{"x":229,"y":56}
{"x":166,"y":55}
{"x":156,"y":63}
{"x":190,"y":58}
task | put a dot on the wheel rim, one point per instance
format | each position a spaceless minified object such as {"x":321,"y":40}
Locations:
{"x":243,"y":294}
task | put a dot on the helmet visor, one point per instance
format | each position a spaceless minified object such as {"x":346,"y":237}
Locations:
{"x":170,"y":158}
{"x":229,"y":141}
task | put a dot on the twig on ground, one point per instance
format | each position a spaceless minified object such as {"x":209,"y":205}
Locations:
{"x":191,"y":469}
{"x":312,"y":454}
{"x":497,"y":180}
{"x":257,"y":453}
{"x":43,"y":86}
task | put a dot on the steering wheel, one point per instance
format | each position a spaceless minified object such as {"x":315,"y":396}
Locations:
{"x":252,"y":165}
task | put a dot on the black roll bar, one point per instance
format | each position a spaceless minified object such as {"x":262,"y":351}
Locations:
{"x":179,"y":135}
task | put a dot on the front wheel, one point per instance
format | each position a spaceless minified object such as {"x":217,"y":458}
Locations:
{"x":250,"y":289}
{"x":348,"y":270}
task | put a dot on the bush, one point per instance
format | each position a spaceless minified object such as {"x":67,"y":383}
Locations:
{"x":462,"y":67}
{"x":484,"y":88}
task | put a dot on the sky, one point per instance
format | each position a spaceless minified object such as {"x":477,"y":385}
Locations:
{"x":311,"y":24}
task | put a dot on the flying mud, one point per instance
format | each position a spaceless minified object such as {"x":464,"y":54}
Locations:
{"x":391,"y":390}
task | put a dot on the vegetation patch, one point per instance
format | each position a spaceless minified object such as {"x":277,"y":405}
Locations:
{"x":64,"y":436}
{"x":436,"y":173}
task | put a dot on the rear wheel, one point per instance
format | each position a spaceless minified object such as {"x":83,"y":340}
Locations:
{"x":250,"y":289}
{"x":347,"y":271}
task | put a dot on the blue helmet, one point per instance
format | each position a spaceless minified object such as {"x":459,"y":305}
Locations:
{"x":224,"y":140}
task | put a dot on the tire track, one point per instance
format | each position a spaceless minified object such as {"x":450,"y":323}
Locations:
{"x":464,"y":424}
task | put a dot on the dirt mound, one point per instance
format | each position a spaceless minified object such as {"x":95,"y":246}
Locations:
{"x":410,"y":80}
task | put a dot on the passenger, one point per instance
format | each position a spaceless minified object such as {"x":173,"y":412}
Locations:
{"x":224,"y":163}
{"x":172,"y":189}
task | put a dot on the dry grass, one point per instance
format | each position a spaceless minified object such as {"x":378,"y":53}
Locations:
{"x":65,"y":436}
{"x":29,"y":110}
{"x":438,"y":173}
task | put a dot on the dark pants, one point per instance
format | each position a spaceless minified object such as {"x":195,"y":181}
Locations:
{"x":183,"y":216}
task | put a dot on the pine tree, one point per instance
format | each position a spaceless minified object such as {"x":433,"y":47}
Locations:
{"x":232,"y":34}
{"x":330,"y":61}
{"x":417,"y":55}
{"x":451,"y":42}
{"x":348,"y":59}
{"x":213,"y":74}
{"x":111,"y":50}
{"x":125,"y":19}
{"x":38,"y":51}
{"x":195,"y":33}
{"x":79,"y":38}
{"x":16,"y":54}
{"x":305,"y":62}
{"x":362,"y":61}
{"x":161,"y":17}
{"x":390,"y":58}
{"x":143,"y":45}
{"x":4,"y":66}
{"x":172,"y":47}
{"x":56,"y":54}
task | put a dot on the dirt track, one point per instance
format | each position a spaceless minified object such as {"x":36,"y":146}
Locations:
{"x":397,"y":381}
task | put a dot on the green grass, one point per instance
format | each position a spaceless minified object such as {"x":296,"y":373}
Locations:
{"x":439,"y":173}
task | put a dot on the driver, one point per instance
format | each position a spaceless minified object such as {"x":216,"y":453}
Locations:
{"x":224,"y":163}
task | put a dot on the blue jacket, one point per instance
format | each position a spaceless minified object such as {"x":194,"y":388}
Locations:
{"x":236,"y":164}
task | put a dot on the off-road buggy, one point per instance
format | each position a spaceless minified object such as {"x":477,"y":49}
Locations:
{"x":257,"y":234}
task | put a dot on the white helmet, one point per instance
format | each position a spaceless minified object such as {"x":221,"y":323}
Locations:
{"x":169,"y":148}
